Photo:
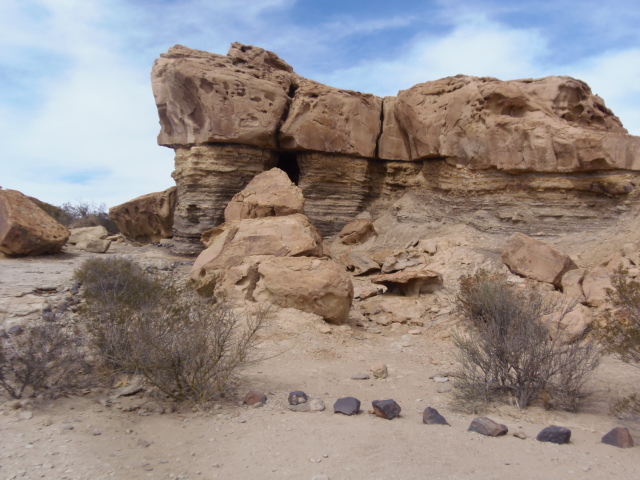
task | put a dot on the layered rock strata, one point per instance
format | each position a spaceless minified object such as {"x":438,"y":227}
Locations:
{"x":466,"y":144}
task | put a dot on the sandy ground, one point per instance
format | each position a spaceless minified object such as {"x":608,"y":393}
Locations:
{"x":90,"y":437}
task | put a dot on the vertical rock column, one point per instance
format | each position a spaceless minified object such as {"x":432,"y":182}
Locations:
{"x":208,"y":176}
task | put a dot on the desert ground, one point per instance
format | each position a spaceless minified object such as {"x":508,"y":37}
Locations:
{"x":102,"y":435}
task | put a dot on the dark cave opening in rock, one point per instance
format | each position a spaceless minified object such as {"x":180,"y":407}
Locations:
{"x":288,"y":163}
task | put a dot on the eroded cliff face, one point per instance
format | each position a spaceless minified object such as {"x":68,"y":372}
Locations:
{"x":526,"y":155}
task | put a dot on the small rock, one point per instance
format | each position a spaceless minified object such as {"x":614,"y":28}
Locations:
{"x":316,"y":405}
{"x":441,"y":379}
{"x":415,"y":332}
{"x":488,"y":427}
{"x":26,"y":415}
{"x":257,"y":405}
{"x":361,"y":376}
{"x":380,"y":371}
{"x":430,"y":416}
{"x":443,"y":388}
{"x":96,"y":432}
{"x":143,"y":443}
{"x":127,"y":391}
{"x":347,"y":406}
{"x":520,"y":435}
{"x":554,"y":434}
{"x":49,"y":316}
{"x":619,"y":437}
{"x":326,"y":329}
{"x":387,"y":409}
{"x":252,"y":398}
{"x":297,"y":397}
{"x":46,"y":422}
{"x":15,"y":330}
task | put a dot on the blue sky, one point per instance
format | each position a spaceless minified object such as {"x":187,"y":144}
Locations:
{"x":77,"y":117}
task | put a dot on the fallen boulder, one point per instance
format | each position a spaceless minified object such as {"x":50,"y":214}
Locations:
{"x":269,"y":194}
{"x":387,"y":409}
{"x":618,"y":437}
{"x":147,"y":219}
{"x":359,"y":263}
{"x":358,"y":231}
{"x":347,"y":406}
{"x":534,"y":259}
{"x":554,"y":434}
{"x":488,"y":427}
{"x":430,"y":416}
{"x":25,"y":229}
{"x":87,"y":233}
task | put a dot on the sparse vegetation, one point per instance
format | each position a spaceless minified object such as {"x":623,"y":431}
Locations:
{"x":511,"y":349}
{"x":46,"y":360}
{"x":188,"y":347}
{"x":80,"y":214}
{"x":621,"y":332}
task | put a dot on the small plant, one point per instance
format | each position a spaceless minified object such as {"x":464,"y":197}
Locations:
{"x":511,"y":349}
{"x":45,"y":360}
{"x":188,"y":347}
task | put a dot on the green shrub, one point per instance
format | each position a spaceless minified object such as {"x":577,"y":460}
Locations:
{"x":187,"y":346}
{"x":45,"y":360}
{"x":511,"y":350}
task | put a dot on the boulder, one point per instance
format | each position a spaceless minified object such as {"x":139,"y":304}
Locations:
{"x":269,"y":194}
{"x":312,"y":285}
{"x":94,"y":245}
{"x":552,"y":124}
{"x":25,"y":229}
{"x":204,"y":97}
{"x":387,"y":409}
{"x":347,"y":406}
{"x":534,"y":259}
{"x":618,"y":437}
{"x":554,"y":434}
{"x":358,"y":231}
{"x":572,"y":325}
{"x":410,"y":282}
{"x":146,"y":219}
{"x":488,"y":427}
{"x":430,"y":416}
{"x":359,"y":263}
{"x":87,"y":233}
{"x":572,"y":284}
{"x":595,"y":285}
{"x":229,"y":244}
{"x":327,"y":119}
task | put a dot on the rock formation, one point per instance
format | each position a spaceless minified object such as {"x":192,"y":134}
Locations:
{"x":146,"y":219}
{"x":25,"y":229}
{"x":259,"y":257}
{"x":523,"y":155}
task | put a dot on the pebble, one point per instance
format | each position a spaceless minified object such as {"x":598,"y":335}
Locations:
{"x":361,"y":376}
{"x":380,"y":371}
{"x":415,"y":332}
{"x":440,"y":379}
{"x":96,"y":432}
{"x":26,"y":415}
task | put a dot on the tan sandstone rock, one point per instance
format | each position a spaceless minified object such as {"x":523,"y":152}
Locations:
{"x":269,"y":194}
{"x":87,"y":233}
{"x":402,"y":260}
{"x":313,"y":285}
{"x":410,"y":282}
{"x":534,"y":259}
{"x":146,"y":219}
{"x":25,"y":229}
{"x":359,"y":263}
{"x":572,"y":284}
{"x":358,"y":231}
{"x":595,"y":285}
{"x":572,"y":325}
{"x":94,"y":245}
{"x":326,"y":119}
{"x":229,"y":244}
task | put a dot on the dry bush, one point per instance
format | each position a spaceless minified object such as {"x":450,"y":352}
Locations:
{"x":187,"y":346}
{"x":510,"y":349}
{"x":46,"y":360}
{"x":621,"y":332}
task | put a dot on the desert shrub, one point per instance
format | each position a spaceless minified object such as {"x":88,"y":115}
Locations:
{"x":188,"y":347}
{"x":511,"y":349}
{"x":46,"y":360}
{"x":621,"y":332}
{"x":80,"y":214}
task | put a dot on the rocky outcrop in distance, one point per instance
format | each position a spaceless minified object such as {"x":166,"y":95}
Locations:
{"x":458,"y":145}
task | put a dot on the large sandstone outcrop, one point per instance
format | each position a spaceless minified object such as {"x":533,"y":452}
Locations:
{"x":25,"y":229}
{"x":501,"y":156}
{"x":148,"y":218}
